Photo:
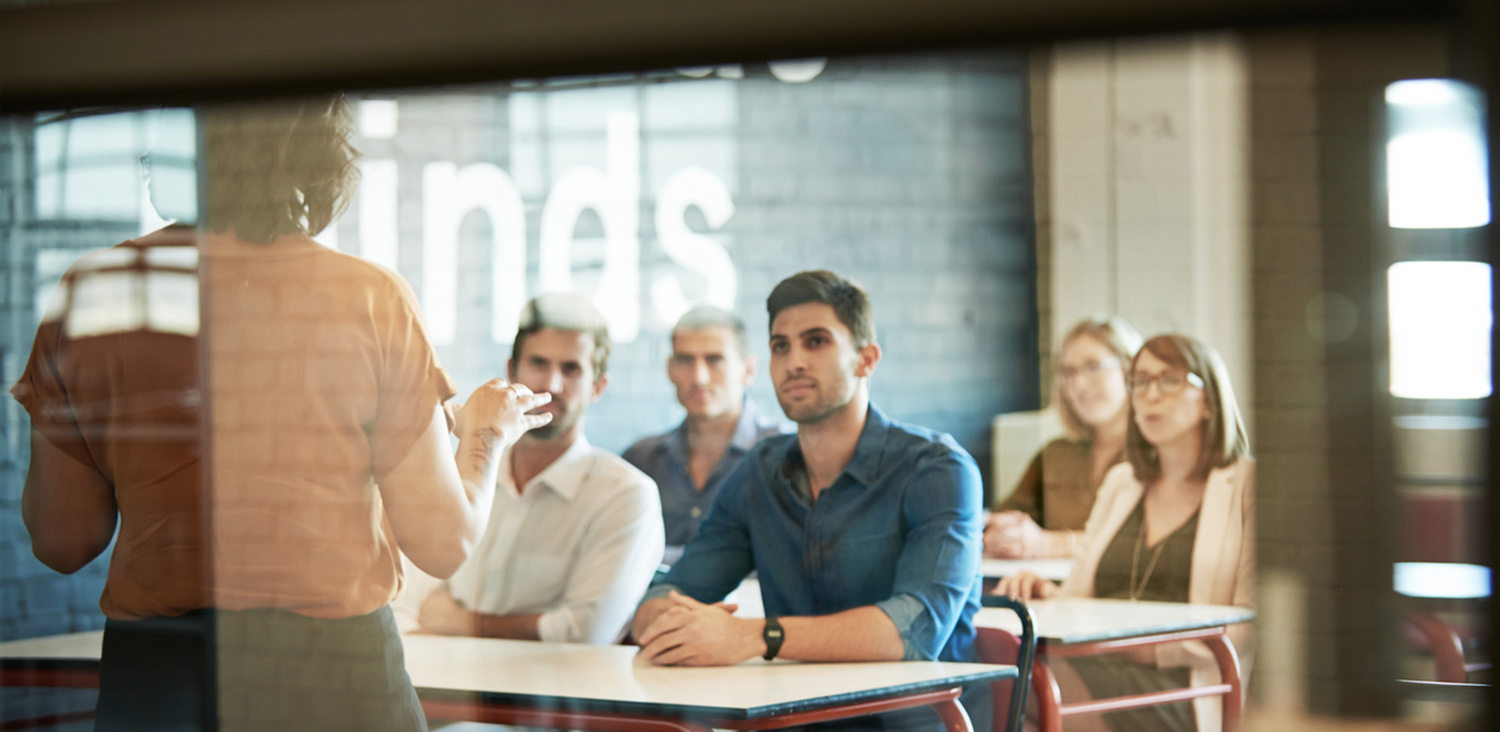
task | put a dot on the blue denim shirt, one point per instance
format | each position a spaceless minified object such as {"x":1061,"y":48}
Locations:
{"x":899,"y":529}
{"x":664,"y":457}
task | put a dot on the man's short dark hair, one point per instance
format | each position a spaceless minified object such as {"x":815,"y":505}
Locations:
{"x":848,"y":300}
{"x":708,"y":316}
{"x":568,"y":312}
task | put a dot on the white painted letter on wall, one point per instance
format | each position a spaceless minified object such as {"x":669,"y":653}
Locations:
{"x":695,"y":252}
{"x":615,"y":194}
{"x":378,"y":199}
{"x":448,"y":195}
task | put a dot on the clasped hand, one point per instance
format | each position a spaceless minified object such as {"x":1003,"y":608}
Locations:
{"x":1012,"y":535}
{"x":691,"y":633}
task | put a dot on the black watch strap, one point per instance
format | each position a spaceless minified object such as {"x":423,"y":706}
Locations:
{"x":773,"y":636}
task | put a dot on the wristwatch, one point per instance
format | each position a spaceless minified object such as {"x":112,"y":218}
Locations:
{"x":773,"y":636}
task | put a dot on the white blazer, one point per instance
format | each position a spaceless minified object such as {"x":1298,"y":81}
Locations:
{"x":1222,"y":571}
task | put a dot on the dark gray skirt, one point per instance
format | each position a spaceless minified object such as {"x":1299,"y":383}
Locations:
{"x":255,"y":670}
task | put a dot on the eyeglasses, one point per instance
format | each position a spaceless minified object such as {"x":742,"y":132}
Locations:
{"x":1170,"y":382}
{"x":1092,"y":369}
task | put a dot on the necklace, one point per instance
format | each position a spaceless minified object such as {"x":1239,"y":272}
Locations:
{"x":1140,"y":541}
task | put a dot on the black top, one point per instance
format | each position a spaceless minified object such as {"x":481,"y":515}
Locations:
{"x":1162,"y":578}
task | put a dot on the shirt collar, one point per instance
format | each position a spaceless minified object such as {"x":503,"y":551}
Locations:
{"x":746,"y":433}
{"x":748,"y":430}
{"x":869,"y":451}
{"x":565,"y":475}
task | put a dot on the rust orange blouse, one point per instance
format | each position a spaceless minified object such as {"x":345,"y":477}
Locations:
{"x":319,"y":376}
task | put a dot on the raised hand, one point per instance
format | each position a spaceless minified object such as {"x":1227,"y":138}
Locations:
{"x":496,"y":415}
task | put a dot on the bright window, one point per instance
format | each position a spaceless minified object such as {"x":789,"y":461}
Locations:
{"x":1437,"y":176}
{"x":96,"y":167}
{"x":1440,"y":330}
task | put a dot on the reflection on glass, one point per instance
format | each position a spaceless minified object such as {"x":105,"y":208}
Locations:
{"x":1440,"y":330}
{"x":1436,"y":169}
{"x":1442,"y":580}
{"x":110,"y":167}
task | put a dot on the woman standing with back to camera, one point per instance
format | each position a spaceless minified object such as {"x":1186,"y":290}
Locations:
{"x":263,"y":473}
{"x":1176,"y":524}
{"x":1044,"y":515}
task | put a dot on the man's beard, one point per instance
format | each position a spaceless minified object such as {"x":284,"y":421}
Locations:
{"x":810,"y":412}
{"x":561,"y":421}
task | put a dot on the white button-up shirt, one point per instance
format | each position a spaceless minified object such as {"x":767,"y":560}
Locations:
{"x":579,"y":545}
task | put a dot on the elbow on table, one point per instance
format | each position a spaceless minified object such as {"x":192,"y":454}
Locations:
{"x":912,"y":650}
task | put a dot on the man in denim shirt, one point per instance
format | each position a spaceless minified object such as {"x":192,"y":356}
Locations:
{"x":865,"y":531}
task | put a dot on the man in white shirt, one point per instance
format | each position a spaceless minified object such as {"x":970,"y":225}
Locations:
{"x":575,"y":534}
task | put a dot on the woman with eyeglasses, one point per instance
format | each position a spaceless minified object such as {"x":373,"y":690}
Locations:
{"x":1174,"y":525}
{"x":1045,"y":514}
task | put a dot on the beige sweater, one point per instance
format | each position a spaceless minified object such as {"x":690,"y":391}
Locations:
{"x":1222,"y":573}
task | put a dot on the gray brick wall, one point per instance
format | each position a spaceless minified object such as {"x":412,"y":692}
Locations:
{"x":908,"y":175}
{"x":34,"y":600}
{"x":911,"y":176}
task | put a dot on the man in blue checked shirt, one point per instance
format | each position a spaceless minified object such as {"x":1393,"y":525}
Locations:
{"x":710,"y":367}
{"x":865,"y":531}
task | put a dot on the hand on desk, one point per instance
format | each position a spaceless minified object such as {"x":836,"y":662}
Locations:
{"x":1012,"y":535}
{"x":1026,"y":586}
{"x":441,"y":613}
{"x":691,"y":633}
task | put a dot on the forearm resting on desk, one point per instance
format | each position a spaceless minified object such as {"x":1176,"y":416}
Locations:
{"x":1015,"y":535}
{"x":441,"y":613}
{"x":677,"y":630}
{"x":1059,"y":543}
{"x":860,"y":634}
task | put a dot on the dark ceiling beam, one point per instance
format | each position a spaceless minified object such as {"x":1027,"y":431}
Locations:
{"x":162,"y":51}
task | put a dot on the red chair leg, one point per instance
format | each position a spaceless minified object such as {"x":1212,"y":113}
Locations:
{"x":1447,"y":648}
{"x":1229,"y":673}
{"x":1048,"y":698}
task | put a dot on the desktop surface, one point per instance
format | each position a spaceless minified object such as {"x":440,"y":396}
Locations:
{"x":1069,"y":620}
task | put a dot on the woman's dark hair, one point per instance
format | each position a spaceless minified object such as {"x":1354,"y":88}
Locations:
{"x":278,"y":168}
{"x":1224,"y":437}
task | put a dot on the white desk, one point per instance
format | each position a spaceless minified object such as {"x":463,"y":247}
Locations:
{"x":80,"y":647}
{"x":1070,"y":621}
{"x":602,"y":687}
{"x":1087,"y":627}
{"x":1052,"y":569}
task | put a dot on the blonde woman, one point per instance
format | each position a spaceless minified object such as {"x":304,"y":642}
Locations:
{"x":1044,"y":515}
